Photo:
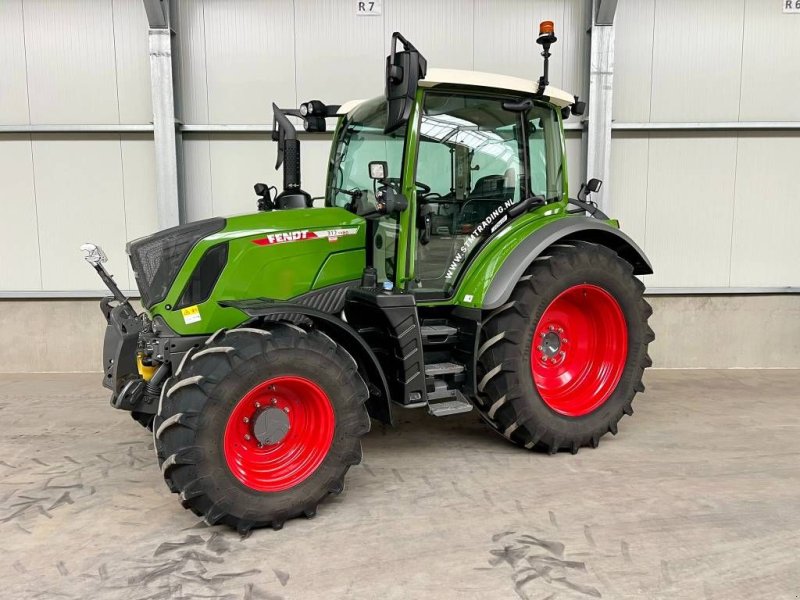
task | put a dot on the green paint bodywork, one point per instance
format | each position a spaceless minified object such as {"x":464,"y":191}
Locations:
{"x":282,"y":271}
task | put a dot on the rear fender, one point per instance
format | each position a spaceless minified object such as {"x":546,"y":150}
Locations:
{"x":378,"y":405}
{"x":561,"y":230}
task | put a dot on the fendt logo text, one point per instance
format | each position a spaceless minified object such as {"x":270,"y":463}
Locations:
{"x":284,"y":237}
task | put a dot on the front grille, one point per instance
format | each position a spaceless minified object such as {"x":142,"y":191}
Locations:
{"x":157,"y":259}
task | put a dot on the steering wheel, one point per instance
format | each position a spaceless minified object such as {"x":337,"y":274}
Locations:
{"x":425,"y":189}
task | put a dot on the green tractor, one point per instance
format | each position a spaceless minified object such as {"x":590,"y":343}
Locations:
{"x":448,"y":270}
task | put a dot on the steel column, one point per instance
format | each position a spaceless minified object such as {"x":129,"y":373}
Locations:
{"x":161,"y":85}
{"x":601,"y":81}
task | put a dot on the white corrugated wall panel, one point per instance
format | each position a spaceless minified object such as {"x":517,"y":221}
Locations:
{"x":192,"y":96}
{"x":505,"y":37}
{"x":249,"y":59}
{"x":766,"y":247}
{"x":628,"y":190}
{"x":237,"y":163}
{"x":240,"y":161}
{"x":770,"y":64}
{"x":138,"y":186}
{"x":19,"y":252}
{"x":70,"y":53}
{"x":690,"y":209}
{"x":443,"y":31}
{"x":339,"y":55}
{"x":573,"y":41}
{"x":633,"y":58}
{"x":132,"y":61}
{"x":14,"y":90}
{"x":79,"y":199}
{"x":697,"y":57}
{"x":197,"y":177}
{"x":576,"y":159}
{"x":315,"y":156}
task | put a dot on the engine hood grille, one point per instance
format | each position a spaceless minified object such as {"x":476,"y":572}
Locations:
{"x":157,"y":259}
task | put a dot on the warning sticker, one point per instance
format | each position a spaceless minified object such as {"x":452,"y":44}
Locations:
{"x":191,"y":314}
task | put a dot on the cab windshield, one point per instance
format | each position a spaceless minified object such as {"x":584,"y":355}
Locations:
{"x":360,"y":142}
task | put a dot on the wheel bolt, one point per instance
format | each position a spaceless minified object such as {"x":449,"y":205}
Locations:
{"x":553,"y":360}
{"x":246,"y":420}
{"x":539,"y":348}
{"x":274,"y":400}
{"x":560,"y":330}
{"x":564,"y":340}
{"x":543,"y":334}
{"x":544,"y":358}
{"x":258,"y":404}
{"x":247,"y":437}
{"x":552,"y":328}
{"x":286,"y":410}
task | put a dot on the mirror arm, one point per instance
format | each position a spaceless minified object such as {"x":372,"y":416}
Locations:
{"x":590,"y":208}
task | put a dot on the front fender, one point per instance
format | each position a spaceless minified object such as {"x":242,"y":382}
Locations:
{"x":379,"y":403}
{"x":564,"y":229}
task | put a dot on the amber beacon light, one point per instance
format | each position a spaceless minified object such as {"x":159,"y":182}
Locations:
{"x":546,"y":37}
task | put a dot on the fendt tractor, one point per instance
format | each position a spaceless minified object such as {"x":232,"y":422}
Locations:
{"x":447,"y":270}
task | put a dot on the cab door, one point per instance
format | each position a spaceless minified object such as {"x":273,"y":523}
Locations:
{"x":470,"y":169}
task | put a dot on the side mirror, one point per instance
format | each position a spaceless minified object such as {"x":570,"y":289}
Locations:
{"x":391,"y":202}
{"x":594,"y":185}
{"x":578,"y":107}
{"x":378,"y":170}
{"x":404,"y":69}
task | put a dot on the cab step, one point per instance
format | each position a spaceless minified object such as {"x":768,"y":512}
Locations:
{"x":445,"y":368}
{"x":448,"y":402}
{"x":444,"y":401}
{"x":438,"y":334}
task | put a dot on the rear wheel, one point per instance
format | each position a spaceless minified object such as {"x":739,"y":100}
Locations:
{"x":258,"y":426}
{"x":560,"y":363}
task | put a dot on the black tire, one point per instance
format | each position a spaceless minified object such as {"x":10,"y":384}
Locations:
{"x":143,"y":419}
{"x":508,"y":398}
{"x":197,"y":401}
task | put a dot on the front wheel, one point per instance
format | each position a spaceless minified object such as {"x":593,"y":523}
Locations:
{"x":258,"y":426}
{"x":560,"y":363}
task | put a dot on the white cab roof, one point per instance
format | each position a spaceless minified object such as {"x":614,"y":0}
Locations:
{"x":436,"y":77}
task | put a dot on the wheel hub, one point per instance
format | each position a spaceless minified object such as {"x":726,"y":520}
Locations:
{"x":551,"y":344}
{"x":271,"y":426}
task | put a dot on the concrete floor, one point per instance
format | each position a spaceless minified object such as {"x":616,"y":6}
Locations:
{"x":698,"y":497}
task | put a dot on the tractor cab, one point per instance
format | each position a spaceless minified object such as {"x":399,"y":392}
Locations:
{"x":475,"y":146}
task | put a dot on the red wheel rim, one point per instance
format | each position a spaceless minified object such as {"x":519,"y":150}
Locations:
{"x":579,"y":350}
{"x":302,"y":423}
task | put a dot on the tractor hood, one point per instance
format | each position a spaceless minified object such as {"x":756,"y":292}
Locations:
{"x":187,"y":270}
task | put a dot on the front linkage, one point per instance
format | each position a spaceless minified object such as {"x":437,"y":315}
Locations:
{"x":137,"y":351}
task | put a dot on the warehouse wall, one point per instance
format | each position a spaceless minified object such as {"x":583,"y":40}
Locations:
{"x":72,"y":62}
{"x":711,"y":208}
{"x":238,"y":56}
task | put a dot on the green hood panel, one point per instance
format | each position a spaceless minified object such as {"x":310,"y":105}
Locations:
{"x":279,"y":254}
